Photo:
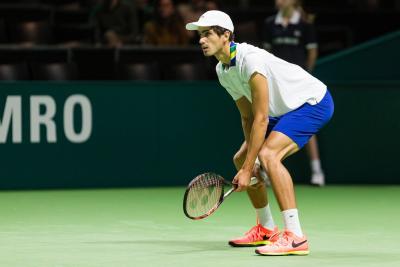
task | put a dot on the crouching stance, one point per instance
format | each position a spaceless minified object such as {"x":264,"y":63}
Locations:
{"x":281,"y":106}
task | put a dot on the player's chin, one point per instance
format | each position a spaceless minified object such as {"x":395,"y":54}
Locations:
{"x":207,"y":53}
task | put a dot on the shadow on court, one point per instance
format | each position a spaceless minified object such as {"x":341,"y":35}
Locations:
{"x":190,"y":246}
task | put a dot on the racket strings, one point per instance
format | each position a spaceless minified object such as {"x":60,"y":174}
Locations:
{"x":204,"y":195}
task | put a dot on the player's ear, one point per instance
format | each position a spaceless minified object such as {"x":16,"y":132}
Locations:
{"x":226,"y":35}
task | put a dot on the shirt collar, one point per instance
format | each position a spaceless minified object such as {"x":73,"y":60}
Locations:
{"x":232,"y":56}
{"x":294,"y":19}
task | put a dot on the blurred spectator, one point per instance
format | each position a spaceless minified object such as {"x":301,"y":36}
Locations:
{"x":144,"y":11}
{"x":367,"y":5}
{"x":89,"y":3}
{"x":70,"y":5}
{"x":290,"y":35}
{"x":166,"y":27}
{"x":116,"y":23}
{"x":191,"y":11}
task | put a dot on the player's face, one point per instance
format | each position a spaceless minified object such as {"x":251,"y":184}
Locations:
{"x":211,"y":43}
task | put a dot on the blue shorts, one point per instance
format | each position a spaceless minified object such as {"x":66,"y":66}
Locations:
{"x":302,"y":123}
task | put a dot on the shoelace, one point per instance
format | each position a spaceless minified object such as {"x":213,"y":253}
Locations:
{"x":256,"y":233}
{"x":281,"y":241}
{"x":275,"y":235}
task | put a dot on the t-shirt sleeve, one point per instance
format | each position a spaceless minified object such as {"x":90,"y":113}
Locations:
{"x":252,"y":64}
{"x":310,"y":38}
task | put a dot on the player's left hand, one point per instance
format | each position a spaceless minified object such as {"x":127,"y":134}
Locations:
{"x":242,"y":180}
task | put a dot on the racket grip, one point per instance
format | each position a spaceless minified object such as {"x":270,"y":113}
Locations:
{"x":234,"y":186}
{"x":253,"y":180}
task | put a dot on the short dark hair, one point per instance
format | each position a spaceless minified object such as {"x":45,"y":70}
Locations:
{"x":220,"y":31}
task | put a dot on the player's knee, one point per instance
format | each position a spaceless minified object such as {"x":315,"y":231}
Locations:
{"x":268,"y":157}
{"x":236,"y":158}
{"x":240,"y":156}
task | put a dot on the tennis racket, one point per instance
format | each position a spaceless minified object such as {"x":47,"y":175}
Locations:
{"x":205,"y":193}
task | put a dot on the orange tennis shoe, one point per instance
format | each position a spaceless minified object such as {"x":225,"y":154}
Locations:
{"x":256,"y":236}
{"x":287,"y":244}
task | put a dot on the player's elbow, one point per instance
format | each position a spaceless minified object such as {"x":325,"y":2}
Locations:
{"x":261,"y":119}
{"x":247,"y":120}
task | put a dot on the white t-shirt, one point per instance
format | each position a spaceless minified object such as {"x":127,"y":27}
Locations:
{"x":289,"y":85}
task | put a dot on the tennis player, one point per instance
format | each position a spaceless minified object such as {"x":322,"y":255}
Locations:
{"x":281,"y":107}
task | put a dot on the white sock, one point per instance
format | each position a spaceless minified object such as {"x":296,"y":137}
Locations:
{"x":292,"y":222}
{"x":316,"y":166}
{"x":265,"y":217}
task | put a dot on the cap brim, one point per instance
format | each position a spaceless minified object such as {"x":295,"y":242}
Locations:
{"x":191,"y":26}
{"x":194,"y":26}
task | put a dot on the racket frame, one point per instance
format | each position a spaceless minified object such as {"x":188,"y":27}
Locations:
{"x":215,"y":207}
{"x":221,"y":199}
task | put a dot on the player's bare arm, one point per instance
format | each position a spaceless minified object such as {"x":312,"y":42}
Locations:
{"x":246,"y":116}
{"x":312,"y":55}
{"x":255,"y":139}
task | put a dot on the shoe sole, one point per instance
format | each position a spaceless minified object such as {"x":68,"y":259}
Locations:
{"x":253,"y":244}
{"x":298,"y":253}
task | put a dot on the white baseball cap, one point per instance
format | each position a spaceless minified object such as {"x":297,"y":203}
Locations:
{"x":212,"y":18}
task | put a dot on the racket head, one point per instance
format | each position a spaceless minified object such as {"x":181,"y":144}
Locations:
{"x":203,"y":195}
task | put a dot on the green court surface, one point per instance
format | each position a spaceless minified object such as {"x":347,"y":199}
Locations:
{"x":346,"y":226}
